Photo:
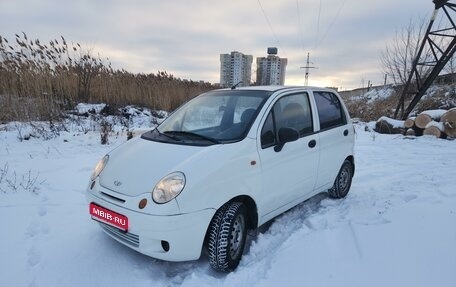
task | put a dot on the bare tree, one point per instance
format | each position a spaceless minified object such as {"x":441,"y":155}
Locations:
{"x":399,"y":54}
{"x":450,"y":67}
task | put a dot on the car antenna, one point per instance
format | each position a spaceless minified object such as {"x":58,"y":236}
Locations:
{"x":235,"y":86}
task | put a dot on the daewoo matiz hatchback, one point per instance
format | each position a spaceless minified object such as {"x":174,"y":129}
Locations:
{"x":226,"y":161}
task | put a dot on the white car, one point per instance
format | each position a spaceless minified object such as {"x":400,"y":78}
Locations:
{"x":226,"y":161}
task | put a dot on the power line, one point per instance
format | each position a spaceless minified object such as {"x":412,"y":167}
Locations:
{"x":318,"y":26}
{"x":270,"y":27}
{"x":331,"y":24}
{"x":301,"y":34}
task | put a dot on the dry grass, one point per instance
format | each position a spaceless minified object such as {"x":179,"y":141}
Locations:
{"x":440,"y":96}
{"x":360,"y":106}
{"x":38,"y":81}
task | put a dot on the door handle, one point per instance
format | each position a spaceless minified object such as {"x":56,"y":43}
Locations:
{"x":312,"y":143}
{"x":346,"y":133}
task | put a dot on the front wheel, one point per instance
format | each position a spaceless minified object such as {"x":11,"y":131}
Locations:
{"x":343,"y":181}
{"x":227,"y":234}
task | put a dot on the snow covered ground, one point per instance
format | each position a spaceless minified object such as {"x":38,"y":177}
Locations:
{"x":397,"y":226}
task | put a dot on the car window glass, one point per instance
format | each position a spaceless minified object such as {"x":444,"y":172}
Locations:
{"x":245,"y":109}
{"x":291,"y":112}
{"x":208,"y":114}
{"x":268,"y":136}
{"x":218,"y":116}
{"x":294,"y":112}
{"x":330,"y":110}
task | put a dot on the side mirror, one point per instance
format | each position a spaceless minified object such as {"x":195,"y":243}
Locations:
{"x":286,"y":135}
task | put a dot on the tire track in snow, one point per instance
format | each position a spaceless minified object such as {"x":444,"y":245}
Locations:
{"x":260,"y":252}
{"x":316,"y":214}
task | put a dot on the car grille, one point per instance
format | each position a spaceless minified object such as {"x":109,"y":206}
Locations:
{"x":112,"y":197}
{"x":125,"y":237}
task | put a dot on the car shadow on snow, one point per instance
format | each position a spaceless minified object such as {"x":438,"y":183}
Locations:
{"x":155,"y":269}
{"x":311,"y":205}
{"x":302,"y":210}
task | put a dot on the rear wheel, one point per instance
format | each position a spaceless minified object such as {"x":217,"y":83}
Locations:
{"x":227,"y":234}
{"x":343,"y":181}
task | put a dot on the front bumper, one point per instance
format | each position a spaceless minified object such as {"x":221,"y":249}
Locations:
{"x":184,"y":233}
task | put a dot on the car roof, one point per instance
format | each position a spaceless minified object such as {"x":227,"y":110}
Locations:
{"x":280,"y":88}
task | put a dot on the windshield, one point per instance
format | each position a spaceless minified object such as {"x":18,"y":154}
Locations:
{"x":214,"y":117}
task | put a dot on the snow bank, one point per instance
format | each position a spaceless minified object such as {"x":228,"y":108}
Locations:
{"x":393,"y":122}
{"x":435,"y":114}
{"x":379,"y":94}
{"x":395,"y":227}
{"x":82,"y":108}
{"x":438,"y":125}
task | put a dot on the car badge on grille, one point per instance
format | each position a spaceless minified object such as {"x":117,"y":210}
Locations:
{"x":117,"y":183}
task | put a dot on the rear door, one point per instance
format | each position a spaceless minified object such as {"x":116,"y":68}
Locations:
{"x":288,"y":174}
{"x":335,"y":136}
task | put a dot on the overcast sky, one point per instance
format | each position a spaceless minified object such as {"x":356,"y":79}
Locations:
{"x":185,"y":37}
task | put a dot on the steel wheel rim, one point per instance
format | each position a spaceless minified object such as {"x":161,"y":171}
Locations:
{"x":344,"y":178}
{"x":236,"y":236}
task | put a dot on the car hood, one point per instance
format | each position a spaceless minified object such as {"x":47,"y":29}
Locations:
{"x":138,"y":165}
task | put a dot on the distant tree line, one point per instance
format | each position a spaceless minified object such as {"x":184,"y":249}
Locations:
{"x":39,"y":81}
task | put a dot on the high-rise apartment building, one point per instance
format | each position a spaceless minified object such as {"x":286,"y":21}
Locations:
{"x":235,"y":68}
{"x":271,"y":69}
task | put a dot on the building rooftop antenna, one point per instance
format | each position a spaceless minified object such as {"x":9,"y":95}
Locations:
{"x":307,"y":68}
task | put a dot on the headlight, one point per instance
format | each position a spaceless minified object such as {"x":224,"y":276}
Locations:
{"x":99,"y":168}
{"x":169,"y":187}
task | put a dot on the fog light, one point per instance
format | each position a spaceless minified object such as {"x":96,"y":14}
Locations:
{"x":165,"y":245}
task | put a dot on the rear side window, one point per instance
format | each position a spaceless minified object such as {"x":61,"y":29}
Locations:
{"x":330,"y":111}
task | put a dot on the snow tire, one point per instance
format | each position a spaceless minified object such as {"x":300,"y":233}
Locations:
{"x":343,"y":181}
{"x":227,"y":234}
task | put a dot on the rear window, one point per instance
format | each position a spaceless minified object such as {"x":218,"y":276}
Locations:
{"x":330,"y":111}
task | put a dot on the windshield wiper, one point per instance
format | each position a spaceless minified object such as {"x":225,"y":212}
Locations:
{"x":167,"y":135}
{"x":185,"y":133}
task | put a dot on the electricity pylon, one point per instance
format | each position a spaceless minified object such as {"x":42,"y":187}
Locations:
{"x":437,"y":48}
{"x":307,"y":68}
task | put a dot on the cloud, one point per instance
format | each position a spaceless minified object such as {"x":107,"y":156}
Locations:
{"x":185,"y":37}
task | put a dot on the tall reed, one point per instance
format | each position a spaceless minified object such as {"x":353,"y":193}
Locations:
{"x":38,"y":81}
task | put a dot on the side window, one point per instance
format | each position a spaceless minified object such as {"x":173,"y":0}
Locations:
{"x":294,"y":112}
{"x":268,"y":134}
{"x":291,"y":112}
{"x":330,"y":110}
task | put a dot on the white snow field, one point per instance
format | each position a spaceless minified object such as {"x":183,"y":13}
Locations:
{"x":396,"y":227}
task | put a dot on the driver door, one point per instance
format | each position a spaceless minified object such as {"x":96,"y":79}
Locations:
{"x":288,"y":174}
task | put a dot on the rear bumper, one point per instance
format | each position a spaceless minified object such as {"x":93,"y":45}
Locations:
{"x":183,"y":232}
